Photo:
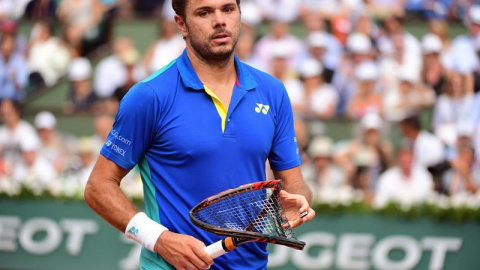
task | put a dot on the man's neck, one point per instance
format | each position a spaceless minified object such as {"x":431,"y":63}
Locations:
{"x":221,"y":73}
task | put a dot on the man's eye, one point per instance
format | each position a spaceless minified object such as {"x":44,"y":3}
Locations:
{"x":228,"y":10}
{"x":203,"y":14}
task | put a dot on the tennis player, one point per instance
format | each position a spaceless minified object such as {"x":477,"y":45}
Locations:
{"x":203,"y":124}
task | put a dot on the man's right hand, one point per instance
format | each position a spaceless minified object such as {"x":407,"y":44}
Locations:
{"x":183,"y":251}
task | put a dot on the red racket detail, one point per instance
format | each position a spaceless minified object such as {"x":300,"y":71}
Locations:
{"x":248,"y":213}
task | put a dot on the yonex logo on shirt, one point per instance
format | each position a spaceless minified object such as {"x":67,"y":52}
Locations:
{"x":262,"y":108}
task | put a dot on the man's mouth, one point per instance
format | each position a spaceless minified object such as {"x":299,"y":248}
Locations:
{"x":223,"y":37}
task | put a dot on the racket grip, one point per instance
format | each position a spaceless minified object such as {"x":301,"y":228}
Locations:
{"x":216,"y":249}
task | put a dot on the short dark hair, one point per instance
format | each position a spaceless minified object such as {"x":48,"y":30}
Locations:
{"x":412,"y":121}
{"x":179,"y":7}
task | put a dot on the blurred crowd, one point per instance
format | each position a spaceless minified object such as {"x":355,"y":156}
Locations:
{"x":344,"y":59}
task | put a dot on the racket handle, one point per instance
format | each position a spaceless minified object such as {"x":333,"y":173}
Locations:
{"x":216,"y":249}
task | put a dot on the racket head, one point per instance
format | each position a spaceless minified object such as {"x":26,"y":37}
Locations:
{"x":251,"y":212}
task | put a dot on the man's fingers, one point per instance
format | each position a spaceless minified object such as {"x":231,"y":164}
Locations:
{"x":204,"y":261}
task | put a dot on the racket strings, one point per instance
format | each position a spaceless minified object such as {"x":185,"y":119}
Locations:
{"x":256,"y":211}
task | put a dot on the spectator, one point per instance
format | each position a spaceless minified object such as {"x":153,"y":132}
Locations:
{"x":244,"y":49}
{"x":440,"y":29}
{"x":80,"y":20}
{"x":285,"y":10}
{"x":55,"y":147}
{"x":464,"y":174}
{"x":48,"y":57}
{"x":103,"y":124}
{"x":358,"y":49}
{"x":326,"y":49}
{"x":111,"y":72}
{"x":407,"y":183}
{"x":365,"y":98}
{"x":167,"y":47}
{"x":427,"y":149}
{"x":13,"y":71}
{"x":82,"y":97}
{"x":87,"y":154}
{"x":464,"y":58}
{"x":33,"y":169}
{"x":41,"y":10}
{"x":279,"y":33}
{"x":13,"y":131}
{"x":327,"y":175}
{"x":9,"y":28}
{"x":452,"y":108}
{"x":368,"y":150}
{"x":280,"y":54}
{"x":129,"y":60}
{"x":321,"y":98}
{"x":410,"y":96}
{"x":433,"y":72}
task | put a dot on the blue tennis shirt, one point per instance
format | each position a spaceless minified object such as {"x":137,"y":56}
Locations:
{"x":188,"y":147}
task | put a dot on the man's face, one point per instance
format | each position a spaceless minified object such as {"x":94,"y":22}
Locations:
{"x":211,"y":28}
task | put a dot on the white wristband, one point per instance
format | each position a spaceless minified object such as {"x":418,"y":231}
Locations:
{"x":144,"y":230}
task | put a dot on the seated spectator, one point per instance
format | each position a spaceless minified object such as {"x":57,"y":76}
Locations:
{"x":48,"y":57}
{"x":326,"y":49}
{"x":103,"y":124}
{"x":321,"y":97}
{"x":13,"y":71}
{"x":82,"y":97}
{"x":464,"y":174}
{"x":428,"y":150}
{"x":279,"y":32}
{"x":326,"y":174}
{"x":365,"y":98}
{"x":285,"y":10}
{"x":280,"y":54}
{"x":452,"y":108}
{"x":168,"y":46}
{"x":111,"y":72}
{"x":410,"y":97}
{"x":407,"y":183}
{"x":359,"y":48}
{"x":13,"y":131}
{"x":33,"y":169}
{"x":87,"y":154}
{"x":41,"y":10}
{"x":369,"y":143}
{"x":80,"y":20}
{"x":55,"y":147}
{"x":9,"y":28}
{"x":433,"y":73}
{"x":244,"y":49}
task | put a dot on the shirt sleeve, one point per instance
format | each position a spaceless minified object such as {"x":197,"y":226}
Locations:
{"x":135,"y":127}
{"x":284,"y":154}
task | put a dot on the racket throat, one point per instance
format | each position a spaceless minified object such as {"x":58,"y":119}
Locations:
{"x":231,"y":243}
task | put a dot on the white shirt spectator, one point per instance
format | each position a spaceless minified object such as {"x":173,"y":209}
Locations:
{"x":50,"y":59}
{"x":165,"y":51}
{"x":109,"y":76}
{"x":448,"y":113}
{"x":428,"y":149}
{"x":264,"y":53}
{"x":463,"y":56}
{"x":10,"y":140}
{"x":41,"y":171}
{"x":284,"y":10}
{"x":323,"y":98}
{"x":394,"y":186}
{"x":295,"y":92}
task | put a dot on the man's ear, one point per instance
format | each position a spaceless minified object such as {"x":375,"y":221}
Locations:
{"x":181,"y":25}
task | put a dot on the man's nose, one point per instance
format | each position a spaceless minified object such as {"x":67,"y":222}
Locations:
{"x":219,"y":20}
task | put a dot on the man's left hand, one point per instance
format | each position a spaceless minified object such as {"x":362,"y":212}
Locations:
{"x":294,"y":205}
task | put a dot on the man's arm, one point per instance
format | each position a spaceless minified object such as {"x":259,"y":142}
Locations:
{"x":296,"y":196}
{"x":104,"y":196}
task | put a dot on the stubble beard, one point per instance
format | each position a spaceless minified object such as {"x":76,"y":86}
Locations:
{"x":219,"y":56}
